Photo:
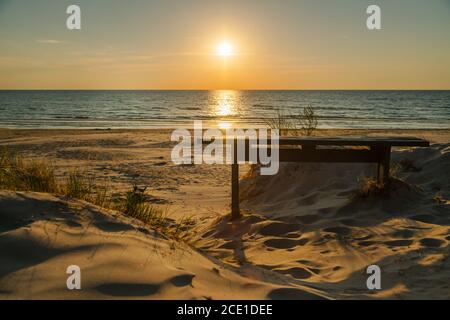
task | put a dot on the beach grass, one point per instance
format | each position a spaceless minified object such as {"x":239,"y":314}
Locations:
{"x":304,"y":123}
{"x":370,"y":187}
{"x":33,"y":175}
{"x":18,"y":174}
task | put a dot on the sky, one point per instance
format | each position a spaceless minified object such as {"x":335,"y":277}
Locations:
{"x":142,"y":44}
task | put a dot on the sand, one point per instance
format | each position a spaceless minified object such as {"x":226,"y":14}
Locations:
{"x":41,"y":235}
{"x":305,"y":233}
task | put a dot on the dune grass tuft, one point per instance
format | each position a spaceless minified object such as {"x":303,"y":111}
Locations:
{"x":305,"y":122}
{"x":31,"y":175}
{"x":78,"y":185}
{"x":370,"y":187}
{"x":135,"y":206}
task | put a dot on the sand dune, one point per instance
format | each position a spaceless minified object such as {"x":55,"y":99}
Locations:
{"x":304,"y":235}
{"x":308,"y":223}
{"x":41,"y":235}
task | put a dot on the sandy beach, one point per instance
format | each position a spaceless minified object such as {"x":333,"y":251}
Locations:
{"x":305,"y":233}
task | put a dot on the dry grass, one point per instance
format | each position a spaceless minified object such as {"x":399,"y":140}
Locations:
{"x":81,"y":185}
{"x":281,"y":121}
{"x":407,"y":165}
{"x":370,"y":187}
{"x":18,"y":174}
{"x":305,"y":122}
{"x":21,"y":175}
{"x":135,"y":206}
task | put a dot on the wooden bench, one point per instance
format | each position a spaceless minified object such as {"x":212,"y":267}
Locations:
{"x":329,"y":149}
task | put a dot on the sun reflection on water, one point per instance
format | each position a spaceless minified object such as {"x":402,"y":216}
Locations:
{"x":224,"y":106}
{"x":225,"y":125}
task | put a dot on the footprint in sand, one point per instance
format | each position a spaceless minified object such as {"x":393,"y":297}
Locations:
{"x":308,"y":200}
{"x":230,"y":245}
{"x":182,"y":280}
{"x":346,"y":193}
{"x":366,"y":243}
{"x":293,"y":235}
{"x":285,"y":243}
{"x":253,"y":219}
{"x":278,"y":228}
{"x":343,"y":231}
{"x":399,"y":243}
{"x":431,"y":242}
{"x":325,"y":211}
{"x":143,"y":230}
{"x":296,"y":272}
{"x":73,"y":224}
{"x":307,"y":219}
{"x":427,"y":218}
{"x":404,"y":233}
{"x":350,"y":222}
{"x":315,"y":270}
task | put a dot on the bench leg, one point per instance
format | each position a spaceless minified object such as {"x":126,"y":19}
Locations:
{"x":235,"y":212}
{"x":384,"y":165}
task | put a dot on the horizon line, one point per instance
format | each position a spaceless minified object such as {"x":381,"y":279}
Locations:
{"x":325,"y":89}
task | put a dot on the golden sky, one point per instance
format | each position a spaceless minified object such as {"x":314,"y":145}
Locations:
{"x":275,"y":45}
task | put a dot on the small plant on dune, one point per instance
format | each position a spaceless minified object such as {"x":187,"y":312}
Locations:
{"x":135,"y":206}
{"x":182,"y":228}
{"x":408,"y":165}
{"x":82,"y":185}
{"x":369,"y":187}
{"x":305,"y":122}
{"x":79,"y":185}
{"x":440,"y":199}
{"x":102,"y":198}
{"x":394,"y":170}
{"x":31,"y":175}
{"x":281,"y":121}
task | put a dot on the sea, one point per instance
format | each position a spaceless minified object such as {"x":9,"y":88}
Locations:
{"x":104,"y":109}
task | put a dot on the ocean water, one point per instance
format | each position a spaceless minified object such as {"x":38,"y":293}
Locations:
{"x":162,"y":109}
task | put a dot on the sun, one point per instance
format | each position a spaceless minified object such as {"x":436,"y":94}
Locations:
{"x":224,"y":49}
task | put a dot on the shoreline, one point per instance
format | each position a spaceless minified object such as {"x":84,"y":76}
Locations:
{"x":442,"y":135}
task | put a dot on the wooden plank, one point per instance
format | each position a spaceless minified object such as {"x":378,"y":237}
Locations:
{"x":384,"y":164}
{"x":355,"y":141}
{"x":235,"y":212}
{"x":329,"y":155}
{"x":310,"y":154}
{"x":349,"y":141}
